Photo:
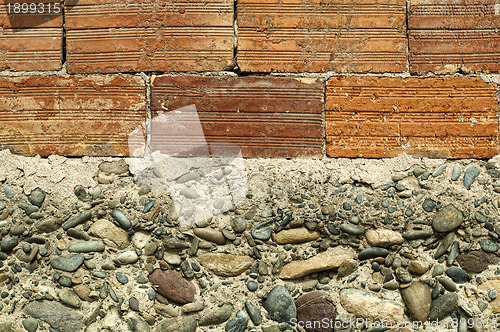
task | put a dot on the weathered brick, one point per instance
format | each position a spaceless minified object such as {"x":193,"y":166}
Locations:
{"x":264,"y":116}
{"x":448,"y":37}
{"x":319,"y":36}
{"x":180,"y":35}
{"x":375,"y":117}
{"x":30,"y":41}
{"x":71,"y":115}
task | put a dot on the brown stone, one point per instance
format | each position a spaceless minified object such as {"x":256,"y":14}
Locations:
{"x":476,"y":261}
{"x":104,"y":36}
{"x":173,"y":286}
{"x":320,"y":36}
{"x":383,"y":237}
{"x":225,"y":265}
{"x":71,"y":115}
{"x":375,"y":117}
{"x":296,"y":235}
{"x":262,"y":116}
{"x":417,"y":298}
{"x":210,"y":234}
{"x":312,"y":308}
{"x":83,"y":292}
{"x":446,"y":39}
{"x":30,"y":42}
{"x":418,"y":267}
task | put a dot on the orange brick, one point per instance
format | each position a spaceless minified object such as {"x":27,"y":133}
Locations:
{"x":180,"y":35}
{"x":448,"y":37}
{"x":264,"y":116}
{"x":377,"y":117}
{"x":30,"y":41}
{"x":71,"y":115}
{"x":319,"y":36}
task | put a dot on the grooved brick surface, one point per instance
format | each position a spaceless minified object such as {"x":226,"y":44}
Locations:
{"x":30,"y":42}
{"x":72,"y":115}
{"x":319,"y":36}
{"x":379,"y":117}
{"x":447,"y":37}
{"x":264,"y":116}
{"x":177,"y":35}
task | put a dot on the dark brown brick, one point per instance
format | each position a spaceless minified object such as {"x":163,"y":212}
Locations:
{"x":448,"y":37}
{"x":108,"y":36}
{"x":72,"y":115}
{"x":379,"y":117}
{"x":268,"y":117}
{"x":319,"y":36}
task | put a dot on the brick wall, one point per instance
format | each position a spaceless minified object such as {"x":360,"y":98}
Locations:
{"x":279,"y":78}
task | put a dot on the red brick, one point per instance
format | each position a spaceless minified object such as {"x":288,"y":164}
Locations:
{"x":267,"y":117}
{"x":446,"y":38}
{"x":319,"y":36}
{"x":71,"y":115}
{"x":377,"y":117}
{"x":30,"y":42}
{"x":180,"y":35}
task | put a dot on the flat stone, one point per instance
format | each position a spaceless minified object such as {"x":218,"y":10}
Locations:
{"x":211,"y":235}
{"x":216,"y":316}
{"x":447,"y":219}
{"x":68,"y":264}
{"x":128,"y":257}
{"x":263,"y":230}
{"x":366,"y":305}
{"x":382,"y":237}
{"x":8,"y":243}
{"x":179,"y":324}
{"x":79,"y":219}
{"x":314,"y":307}
{"x":429,"y":205}
{"x":296,"y":235}
{"x":174,"y":243}
{"x":418,"y":234}
{"x":470,"y":176}
{"x":133,"y":304}
{"x":173,"y":286}
{"x":69,"y":297}
{"x":458,"y":275}
{"x":56,"y":315}
{"x":83,"y":291}
{"x":417,"y":298}
{"x":86,"y":246}
{"x":443,"y":306}
{"x":327,"y":260}
{"x":457,"y":171}
{"x":279,"y":304}
{"x":476,"y":261}
{"x":29,"y":209}
{"x":238,"y":323}
{"x":114,"y":167}
{"x":352,"y":229}
{"x":372,"y":252}
{"x":254,"y":313}
{"x":30,"y":324}
{"x":418,"y":267}
{"x":226,"y":265}
{"x":137,"y":324}
{"x":486,"y":287}
{"x":106,"y":230}
{"x":443,"y":246}
{"x":193,"y":307}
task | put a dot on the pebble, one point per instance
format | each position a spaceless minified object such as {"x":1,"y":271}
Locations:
{"x":69,"y":297}
{"x":492,"y":294}
{"x":416,"y":235}
{"x":280,"y":305}
{"x":178,"y":324}
{"x":252,"y":286}
{"x":418,"y":170}
{"x":29,"y":209}
{"x":86,"y":246}
{"x":314,"y":307}
{"x":239,"y":224}
{"x":417,"y":298}
{"x":96,"y":193}
{"x":418,"y":267}
{"x":470,"y":176}
{"x":216,"y":316}
{"x":80,"y":219}
{"x":30,"y":324}
{"x":189,"y":193}
{"x":173,"y":286}
{"x":9,"y":193}
{"x":458,"y":275}
{"x":122,"y":278}
{"x":452,"y":256}
{"x":106,"y":230}
{"x":383,"y":237}
{"x":476,"y":261}
{"x":128,"y":257}
{"x":120,"y":217}
{"x":68,"y":264}
{"x":211,"y":235}
{"x":457,"y":171}
{"x":372,"y":252}
{"x":254,"y":313}
{"x":439,"y":170}
{"x":437,"y":270}
{"x":447,"y":219}
{"x":193,"y":307}
{"x":443,"y":306}
{"x":443,"y":246}
{"x":327,"y":260}
{"x":489,"y":245}
{"x":56,"y":315}
{"x":352,"y":229}
{"x":448,"y":284}
{"x":226,"y":265}
{"x":237,"y":324}
{"x":8,"y":243}
{"x":81,"y":193}
{"x":429,"y":205}
{"x":263,"y":230}
{"x":114,"y":167}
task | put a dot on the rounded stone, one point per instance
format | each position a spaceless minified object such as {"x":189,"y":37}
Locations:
{"x":128,"y":257}
{"x":314,"y":307}
{"x":489,"y":245}
{"x":263,"y":230}
{"x":173,"y":286}
{"x":372,"y":252}
{"x":8,"y":243}
{"x":237,"y":324}
{"x":119,"y":216}
{"x":458,"y":275}
{"x":252,"y":286}
{"x":239,"y":224}
{"x":280,"y":305}
{"x":447,"y":219}
{"x":37,"y":197}
{"x":429,"y":205}
{"x":133,"y":304}
{"x":30,"y":324}
{"x":122,"y":278}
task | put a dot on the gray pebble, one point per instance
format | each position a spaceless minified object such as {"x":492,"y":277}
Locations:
{"x":252,"y":286}
{"x":280,"y":305}
{"x":81,"y":193}
{"x":448,"y":284}
{"x":30,"y":324}
{"x":239,"y":224}
{"x":86,"y":246}
{"x":352,"y":229}
{"x":37,"y":197}
{"x":9,"y":193}
{"x":68,"y":264}
{"x":254,"y":313}
{"x":492,"y":294}
{"x":263,"y":230}
{"x":8,"y":243}
{"x":429,"y":205}
{"x":372,"y":252}
{"x":489,"y":245}
{"x":29,"y":209}
{"x":457,"y":171}
{"x":458,"y":275}
{"x":80,"y":219}
{"x":96,"y":193}
{"x":121,"y":218}
{"x":439,"y":170}
{"x":133,"y":304}
{"x":237,"y":324}
{"x":470,"y":176}
{"x":122,"y":278}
